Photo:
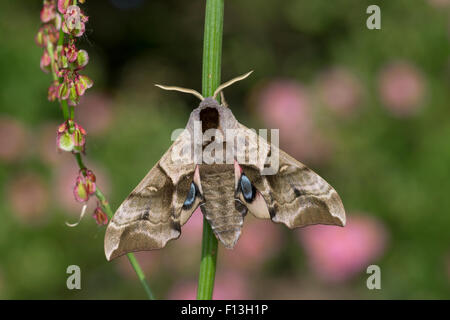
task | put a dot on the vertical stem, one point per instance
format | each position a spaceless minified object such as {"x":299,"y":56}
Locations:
{"x":72,"y":113}
{"x":140,"y":274}
{"x":65,"y":109}
{"x":212,"y":52}
{"x":212,"y":47}
{"x":131,"y":257}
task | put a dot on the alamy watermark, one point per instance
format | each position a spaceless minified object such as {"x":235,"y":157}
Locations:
{"x":374,"y":20}
{"x":74,"y":280}
{"x":374,"y":280}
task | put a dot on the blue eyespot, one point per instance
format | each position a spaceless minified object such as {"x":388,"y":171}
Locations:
{"x":190,"y":197}
{"x":248,"y":190}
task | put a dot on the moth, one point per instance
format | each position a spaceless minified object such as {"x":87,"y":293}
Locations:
{"x":164,"y":200}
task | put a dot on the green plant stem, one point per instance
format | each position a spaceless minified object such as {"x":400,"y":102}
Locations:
{"x":99,"y":195}
{"x":131,"y":257}
{"x":212,"y":52}
{"x":65,"y":109}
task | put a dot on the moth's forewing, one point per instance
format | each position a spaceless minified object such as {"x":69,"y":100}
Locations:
{"x":153,"y":213}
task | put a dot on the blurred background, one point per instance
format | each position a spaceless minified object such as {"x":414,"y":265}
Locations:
{"x":366,"y":109}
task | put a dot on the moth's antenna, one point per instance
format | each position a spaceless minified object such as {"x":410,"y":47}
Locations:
{"x":222,"y":99}
{"x":191,"y":91}
{"x":230,"y":82}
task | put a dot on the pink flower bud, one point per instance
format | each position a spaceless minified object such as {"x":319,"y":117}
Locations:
{"x":82,"y":83}
{"x":47,"y":32}
{"x":62,"y":61}
{"x":63,"y":5}
{"x":45,"y":62}
{"x":53,"y":91}
{"x":87,"y":82}
{"x":82,"y":58}
{"x":71,"y":137}
{"x":84,"y":185}
{"x":80,"y":192}
{"x":70,"y":52}
{"x":39,"y":39}
{"x":74,"y":21}
{"x":73,"y":95}
{"x":48,"y":11}
{"x":100,"y":217}
{"x":57,"y":22}
{"x":63,"y":91}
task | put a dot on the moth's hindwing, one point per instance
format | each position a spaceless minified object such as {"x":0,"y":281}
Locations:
{"x":295,"y":196}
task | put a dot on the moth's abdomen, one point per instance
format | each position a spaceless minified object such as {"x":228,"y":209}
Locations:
{"x":224,"y":214}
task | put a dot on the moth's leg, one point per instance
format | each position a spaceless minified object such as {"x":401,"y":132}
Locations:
{"x":222,"y":99}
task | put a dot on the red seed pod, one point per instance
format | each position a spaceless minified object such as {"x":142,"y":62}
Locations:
{"x":100,"y":216}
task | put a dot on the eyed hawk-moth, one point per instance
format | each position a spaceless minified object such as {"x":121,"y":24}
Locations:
{"x":164,"y":200}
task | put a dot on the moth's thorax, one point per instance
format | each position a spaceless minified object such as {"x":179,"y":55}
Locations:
{"x":223,"y":212}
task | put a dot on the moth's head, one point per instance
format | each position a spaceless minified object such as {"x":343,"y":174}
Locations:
{"x":211,"y":115}
{"x":209,"y":102}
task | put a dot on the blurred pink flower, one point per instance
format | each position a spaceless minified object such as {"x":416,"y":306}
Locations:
{"x":340,"y":90}
{"x":29,"y":198}
{"x":191,"y":232}
{"x":94,"y":112}
{"x":401,"y":88}
{"x":336,"y":254}
{"x":285,"y":105}
{"x":228,"y":286}
{"x":186,"y":290}
{"x":12,"y":139}
{"x":231,"y":286}
{"x":259,"y":240}
{"x":311,"y":149}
